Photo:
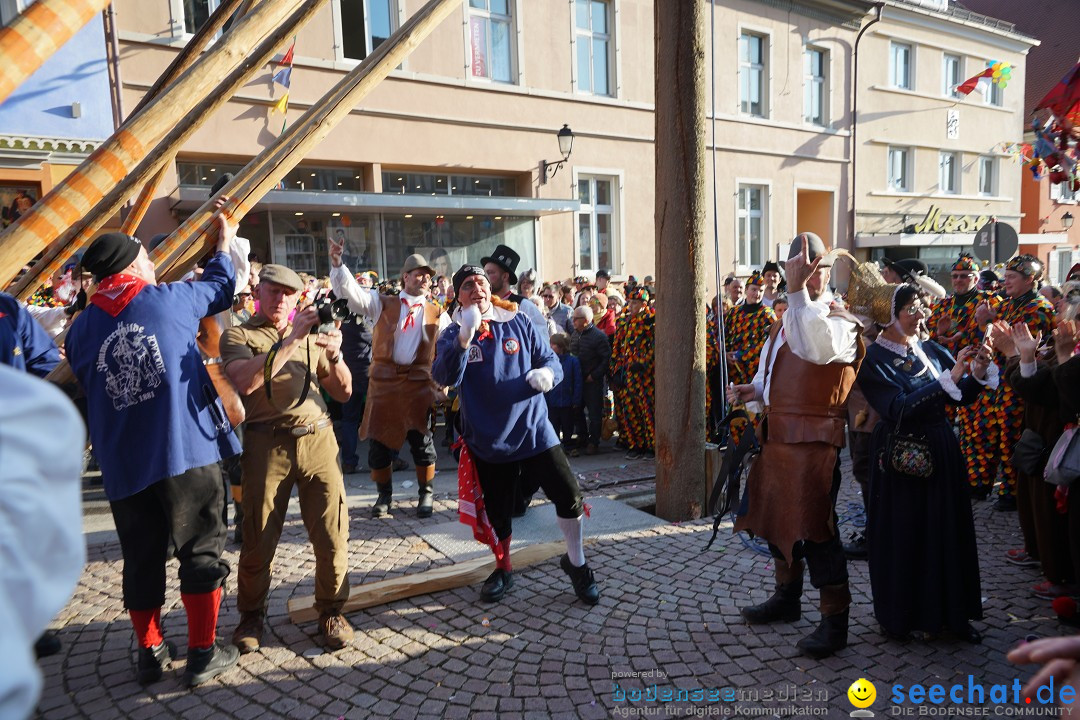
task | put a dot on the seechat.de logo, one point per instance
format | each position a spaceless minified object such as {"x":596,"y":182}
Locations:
{"x":861,"y":695}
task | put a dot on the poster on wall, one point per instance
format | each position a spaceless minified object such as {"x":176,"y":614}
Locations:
{"x":16,"y":200}
{"x":359,"y":255}
{"x":445,"y":261}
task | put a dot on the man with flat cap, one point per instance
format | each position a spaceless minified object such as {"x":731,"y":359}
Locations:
{"x":289,"y":440}
{"x":159,"y":431}
{"x":807,"y":367}
{"x":401,"y":393}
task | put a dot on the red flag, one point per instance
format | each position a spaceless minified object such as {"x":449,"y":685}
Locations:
{"x":1064,"y":96}
{"x":970,"y":84}
{"x":287,"y":60}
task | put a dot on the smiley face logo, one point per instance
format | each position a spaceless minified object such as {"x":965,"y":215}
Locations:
{"x":862,"y":693}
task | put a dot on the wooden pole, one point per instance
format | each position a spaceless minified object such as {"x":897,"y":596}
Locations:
{"x":197,"y":234}
{"x":76,"y":236}
{"x":37,"y":33}
{"x":70,"y":201}
{"x":680,"y":237}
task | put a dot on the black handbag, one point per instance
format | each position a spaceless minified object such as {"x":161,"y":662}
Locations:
{"x":908,"y":455}
{"x":1029,"y":453}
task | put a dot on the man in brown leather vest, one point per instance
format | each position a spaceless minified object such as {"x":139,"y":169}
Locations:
{"x":807,"y":367}
{"x":401,"y":392}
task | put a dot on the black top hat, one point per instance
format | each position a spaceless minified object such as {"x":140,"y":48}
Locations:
{"x":505,"y":258}
{"x":908,"y":268}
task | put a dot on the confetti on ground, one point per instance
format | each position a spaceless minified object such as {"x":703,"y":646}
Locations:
{"x":485,"y":622}
{"x":313,"y":652}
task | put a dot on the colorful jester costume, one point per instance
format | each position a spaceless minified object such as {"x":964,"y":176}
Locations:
{"x":633,"y":358}
{"x":747,"y":329}
{"x":712,"y":365}
{"x":992,"y":426}
{"x":963,"y":329}
{"x":45,"y":297}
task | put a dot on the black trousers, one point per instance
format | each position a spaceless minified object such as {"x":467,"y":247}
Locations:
{"x":184,"y":512}
{"x":825,"y":560}
{"x":422,"y":445}
{"x":562,"y":419}
{"x":589,"y":416}
{"x":549,"y":470}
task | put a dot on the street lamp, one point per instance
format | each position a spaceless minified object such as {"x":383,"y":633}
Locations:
{"x":1067,"y":220}
{"x":566,"y":145}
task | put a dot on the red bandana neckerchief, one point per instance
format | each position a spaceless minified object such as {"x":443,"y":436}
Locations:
{"x":485,"y":331}
{"x":410,"y":319}
{"x":116,"y":291}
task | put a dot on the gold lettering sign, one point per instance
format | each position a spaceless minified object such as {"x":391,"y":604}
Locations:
{"x":935,"y":222}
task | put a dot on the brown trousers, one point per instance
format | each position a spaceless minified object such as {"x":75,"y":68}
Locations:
{"x":272,"y":464}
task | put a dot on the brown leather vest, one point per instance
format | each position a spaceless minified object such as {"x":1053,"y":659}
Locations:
{"x":382,"y":343}
{"x":806,"y":401}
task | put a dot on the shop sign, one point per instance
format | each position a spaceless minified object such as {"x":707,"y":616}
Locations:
{"x":935,"y":222}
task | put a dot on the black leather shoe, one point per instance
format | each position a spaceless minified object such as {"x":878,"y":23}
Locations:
{"x":204,"y":665}
{"x":496,"y":585}
{"x":979,"y":492}
{"x":856,"y":549}
{"x":154,"y":661}
{"x":382,"y":504}
{"x":785,"y":605}
{"x":830,"y":636}
{"x":48,"y":644}
{"x":425,"y":504}
{"x":583,"y":581}
{"x":1005,"y":503}
{"x":969,"y":635}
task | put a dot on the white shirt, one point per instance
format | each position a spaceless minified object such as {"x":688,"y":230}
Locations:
{"x":367,"y":302}
{"x":54,"y":320}
{"x":42,"y":550}
{"x":813,"y":334}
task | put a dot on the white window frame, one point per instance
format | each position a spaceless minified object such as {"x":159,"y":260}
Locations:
{"x":821,"y":83}
{"x":948,"y":173}
{"x":615,"y":210}
{"x":513,"y":34}
{"x":1060,"y":261}
{"x":908,"y":168}
{"x":909,"y":81}
{"x":580,"y":35}
{"x":743,"y":252}
{"x":179,"y":17}
{"x":764,"y":68}
{"x":1060,"y":193}
{"x":992,"y":93}
{"x":948,"y":84}
{"x":987,"y":162}
{"x":339,"y":33}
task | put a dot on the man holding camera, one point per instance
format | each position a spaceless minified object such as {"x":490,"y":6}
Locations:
{"x":400,"y":392}
{"x":289,"y":440}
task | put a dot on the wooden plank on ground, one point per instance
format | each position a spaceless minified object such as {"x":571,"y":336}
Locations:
{"x":447,"y":577}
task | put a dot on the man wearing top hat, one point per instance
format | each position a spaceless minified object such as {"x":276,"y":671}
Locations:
{"x":501,"y":269}
{"x":400,"y":392}
{"x":807,"y":367}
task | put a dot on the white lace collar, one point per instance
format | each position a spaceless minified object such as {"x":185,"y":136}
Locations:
{"x":896,"y":348}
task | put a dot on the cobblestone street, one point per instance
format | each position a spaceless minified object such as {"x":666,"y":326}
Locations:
{"x":668,"y":616}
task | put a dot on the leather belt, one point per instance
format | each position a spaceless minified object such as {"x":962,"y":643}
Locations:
{"x":296,"y":431}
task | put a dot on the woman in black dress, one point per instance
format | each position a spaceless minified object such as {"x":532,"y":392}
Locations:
{"x":924,"y":567}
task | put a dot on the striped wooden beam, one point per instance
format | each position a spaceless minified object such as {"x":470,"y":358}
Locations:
{"x":37,"y":33}
{"x":75,"y":196}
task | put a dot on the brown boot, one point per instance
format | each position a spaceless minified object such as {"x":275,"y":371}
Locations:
{"x":336,"y":630}
{"x":248,"y":634}
{"x":383,"y":478}
{"x":425,"y":479}
{"x":786,"y":601}
{"x":831,"y":634}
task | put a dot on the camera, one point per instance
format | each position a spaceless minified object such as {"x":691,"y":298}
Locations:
{"x":329,"y":312}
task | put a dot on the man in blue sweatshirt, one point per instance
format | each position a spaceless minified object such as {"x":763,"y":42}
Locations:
{"x":502,"y":367}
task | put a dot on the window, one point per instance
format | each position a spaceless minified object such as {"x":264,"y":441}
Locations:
{"x":365,"y":25}
{"x":753,"y":79}
{"x":1062,"y":192}
{"x":598,"y":237}
{"x":991,"y":92}
{"x":491,"y":40}
{"x":952,"y":71}
{"x":987,"y":176}
{"x":406,"y":183}
{"x":900,"y":61}
{"x":750,"y":221}
{"x":1061,"y":261}
{"x":900,"y":169}
{"x":593,"y":38}
{"x":205,"y":174}
{"x":815,"y":90}
{"x":10,"y":9}
{"x":948,"y":168}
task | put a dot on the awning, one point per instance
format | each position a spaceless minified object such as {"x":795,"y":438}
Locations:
{"x":190,"y":198}
{"x":932,"y":240}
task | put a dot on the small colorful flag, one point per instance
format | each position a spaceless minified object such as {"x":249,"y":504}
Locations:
{"x":287,"y":60}
{"x":282,"y":105}
{"x":284,"y":76}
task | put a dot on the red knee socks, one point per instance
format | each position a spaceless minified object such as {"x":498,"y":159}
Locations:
{"x":147,"y":626}
{"x":202,"y":615}
{"x":502,"y":555}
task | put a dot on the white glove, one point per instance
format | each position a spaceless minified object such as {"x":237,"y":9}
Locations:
{"x":541,"y":379}
{"x":469,"y":320}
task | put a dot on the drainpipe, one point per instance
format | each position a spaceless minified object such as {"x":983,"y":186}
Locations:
{"x":855,"y":114}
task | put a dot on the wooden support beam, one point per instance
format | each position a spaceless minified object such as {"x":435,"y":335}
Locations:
{"x":448,"y":577}
{"x":38,"y":32}
{"x":77,"y":236}
{"x":75,"y":196}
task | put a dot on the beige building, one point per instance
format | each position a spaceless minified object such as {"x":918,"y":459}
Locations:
{"x":930,"y":166}
{"x":443,"y":157}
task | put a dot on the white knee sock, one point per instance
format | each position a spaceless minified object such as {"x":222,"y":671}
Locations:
{"x":575,"y":546}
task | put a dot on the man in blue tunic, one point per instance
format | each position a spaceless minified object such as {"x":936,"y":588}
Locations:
{"x":159,"y":431}
{"x":502,"y":367}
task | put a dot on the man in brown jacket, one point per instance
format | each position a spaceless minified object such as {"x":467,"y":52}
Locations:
{"x":401,"y":392}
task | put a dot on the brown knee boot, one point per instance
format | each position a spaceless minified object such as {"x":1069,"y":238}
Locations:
{"x":831,"y":634}
{"x":425,"y":479}
{"x":786,"y":601}
{"x":383,"y":478}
